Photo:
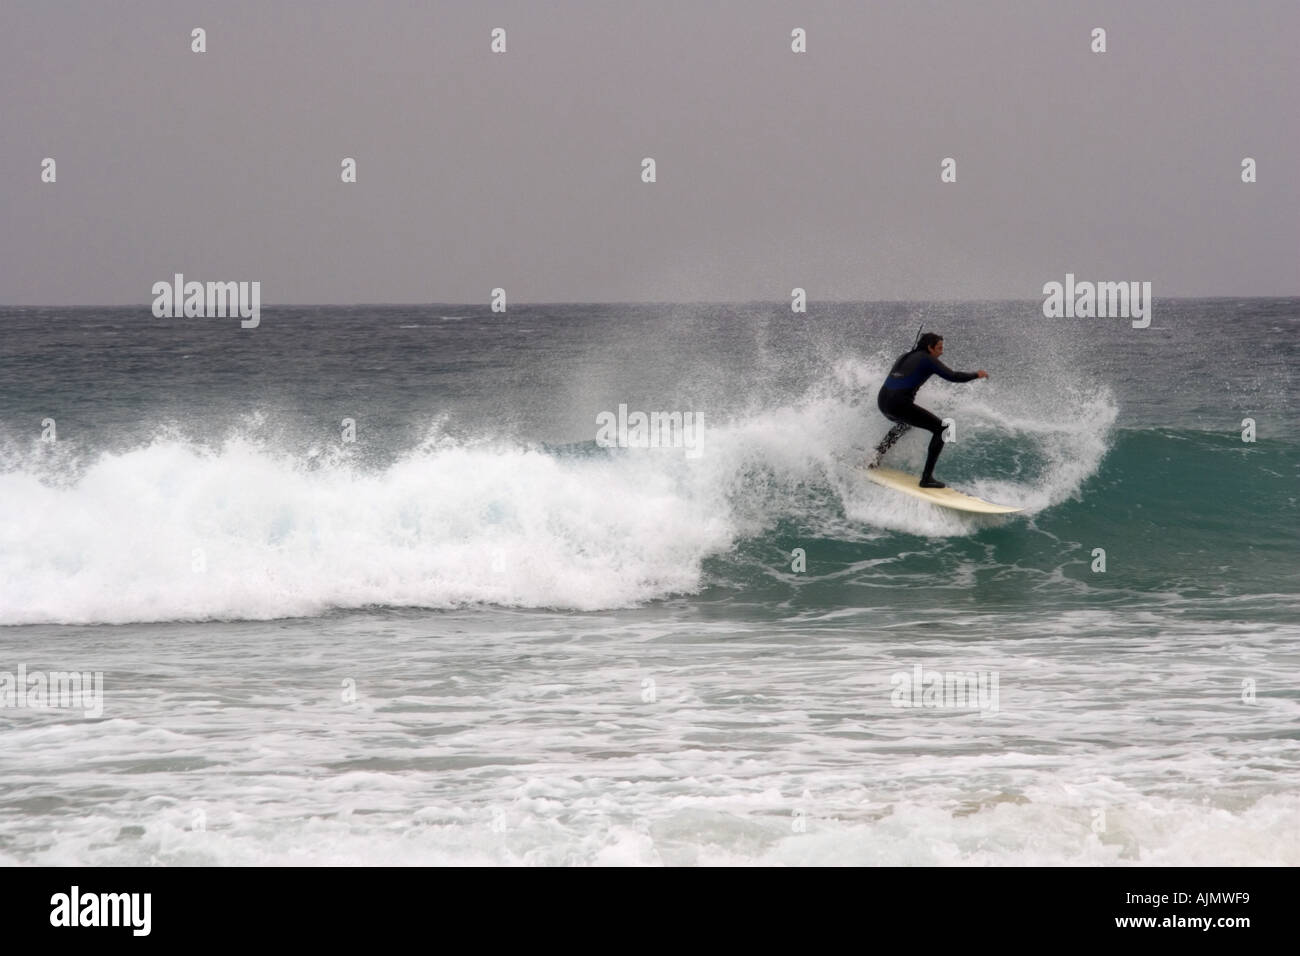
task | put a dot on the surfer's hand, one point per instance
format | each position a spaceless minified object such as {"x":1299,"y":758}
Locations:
{"x":981,"y":374}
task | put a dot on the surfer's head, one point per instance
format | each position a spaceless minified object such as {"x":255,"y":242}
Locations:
{"x":931,"y":342}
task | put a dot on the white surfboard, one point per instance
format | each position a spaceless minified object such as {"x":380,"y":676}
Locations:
{"x":944,"y":497}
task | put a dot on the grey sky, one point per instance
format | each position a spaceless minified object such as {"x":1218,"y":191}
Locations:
{"x":522,"y":170}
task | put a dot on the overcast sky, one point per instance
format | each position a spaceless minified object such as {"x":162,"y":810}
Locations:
{"x":523,"y":170}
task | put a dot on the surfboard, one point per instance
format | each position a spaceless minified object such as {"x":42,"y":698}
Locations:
{"x":943,"y":497}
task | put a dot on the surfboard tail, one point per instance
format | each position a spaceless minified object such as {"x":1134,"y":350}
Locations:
{"x":943,"y":497}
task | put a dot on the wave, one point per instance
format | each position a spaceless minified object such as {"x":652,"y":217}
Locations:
{"x":177,"y":529}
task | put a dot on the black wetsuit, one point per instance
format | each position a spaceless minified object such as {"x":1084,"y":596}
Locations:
{"x":897,"y":401}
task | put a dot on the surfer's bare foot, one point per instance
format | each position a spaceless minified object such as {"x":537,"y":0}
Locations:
{"x":928,"y":481}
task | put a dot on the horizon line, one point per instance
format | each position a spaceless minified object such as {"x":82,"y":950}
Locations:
{"x":482,"y":304}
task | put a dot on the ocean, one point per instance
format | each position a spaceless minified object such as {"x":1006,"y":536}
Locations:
{"x":362,"y":586}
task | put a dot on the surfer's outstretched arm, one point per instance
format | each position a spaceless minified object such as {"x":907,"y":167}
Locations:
{"x":943,"y":371}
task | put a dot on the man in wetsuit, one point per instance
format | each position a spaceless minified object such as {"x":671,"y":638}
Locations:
{"x":897,"y":400}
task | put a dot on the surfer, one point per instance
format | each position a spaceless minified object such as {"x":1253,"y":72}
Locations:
{"x":897,"y":400}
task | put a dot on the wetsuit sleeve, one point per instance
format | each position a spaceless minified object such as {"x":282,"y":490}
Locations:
{"x":944,"y":371}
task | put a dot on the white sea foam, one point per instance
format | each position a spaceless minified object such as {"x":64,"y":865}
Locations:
{"x":522,"y":750}
{"x":1149,"y":832}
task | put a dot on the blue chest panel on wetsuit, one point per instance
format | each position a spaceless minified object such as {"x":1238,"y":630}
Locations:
{"x":912,"y":371}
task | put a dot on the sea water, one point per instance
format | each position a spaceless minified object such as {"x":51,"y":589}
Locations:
{"x":362,"y":586}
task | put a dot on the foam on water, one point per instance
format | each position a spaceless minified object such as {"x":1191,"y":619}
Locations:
{"x":1149,"y":832}
{"x":530,"y":741}
{"x":177,"y":532}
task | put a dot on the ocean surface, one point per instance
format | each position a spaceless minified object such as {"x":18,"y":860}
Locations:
{"x":476,"y":635}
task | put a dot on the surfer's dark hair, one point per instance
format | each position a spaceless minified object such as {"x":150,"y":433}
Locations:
{"x":928,"y":341}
